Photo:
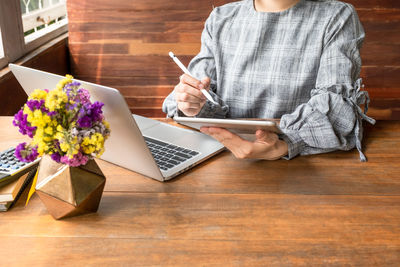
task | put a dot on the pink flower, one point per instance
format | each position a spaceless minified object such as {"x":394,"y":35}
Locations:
{"x":84,"y":95}
{"x":78,"y":160}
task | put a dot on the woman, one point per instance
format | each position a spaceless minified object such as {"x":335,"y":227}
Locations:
{"x":296,"y":60}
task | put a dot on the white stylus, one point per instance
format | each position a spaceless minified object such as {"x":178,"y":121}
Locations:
{"x":185,"y":70}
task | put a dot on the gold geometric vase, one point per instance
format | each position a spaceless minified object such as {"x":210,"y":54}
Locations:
{"x":69,"y":191}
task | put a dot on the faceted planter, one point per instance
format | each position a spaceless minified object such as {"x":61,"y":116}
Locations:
{"x":69,"y":191}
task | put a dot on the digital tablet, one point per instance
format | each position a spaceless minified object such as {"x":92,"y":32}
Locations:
{"x":240,"y":126}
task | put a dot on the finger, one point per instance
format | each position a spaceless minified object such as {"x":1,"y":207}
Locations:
{"x":206,"y":82}
{"x":260,"y":149}
{"x":185,"y":88}
{"x":222,"y":135}
{"x":193,"y":91}
{"x":241,"y":148}
{"x":185,"y":97}
{"x":187,"y":79}
{"x":260,"y":134}
{"x":238,"y":146}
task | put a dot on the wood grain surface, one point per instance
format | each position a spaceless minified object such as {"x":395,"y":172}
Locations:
{"x":329,"y":210}
{"x":51,"y":57}
{"x":125,"y":44}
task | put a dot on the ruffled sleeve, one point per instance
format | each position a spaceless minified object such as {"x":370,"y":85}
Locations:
{"x":332,"y":118}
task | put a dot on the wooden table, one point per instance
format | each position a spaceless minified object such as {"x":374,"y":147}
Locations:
{"x":326,"y":209}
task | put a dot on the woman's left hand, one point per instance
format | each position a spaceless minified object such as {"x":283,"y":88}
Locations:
{"x":267,"y":145}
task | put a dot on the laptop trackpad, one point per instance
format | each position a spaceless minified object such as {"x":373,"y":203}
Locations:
{"x":168,"y":133}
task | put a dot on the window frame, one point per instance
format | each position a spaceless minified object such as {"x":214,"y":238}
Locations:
{"x":12,"y":34}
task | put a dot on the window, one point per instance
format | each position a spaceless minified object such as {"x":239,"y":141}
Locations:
{"x":42,"y":16}
{"x":27,"y":24}
{"x":3,"y":61}
{"x":1,"y":47}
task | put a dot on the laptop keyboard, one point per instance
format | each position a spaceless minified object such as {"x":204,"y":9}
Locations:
{"x":167,"y":155}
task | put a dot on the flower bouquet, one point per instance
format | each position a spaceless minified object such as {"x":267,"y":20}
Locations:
{"x":68,"y":131}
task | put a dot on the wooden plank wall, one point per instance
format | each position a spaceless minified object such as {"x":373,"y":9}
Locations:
{"x":124,"y":44}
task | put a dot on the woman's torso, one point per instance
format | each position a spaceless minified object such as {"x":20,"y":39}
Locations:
{"x":267,"y":63}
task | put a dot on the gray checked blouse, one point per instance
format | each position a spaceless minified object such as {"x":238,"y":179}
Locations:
{"x":301,"y":65}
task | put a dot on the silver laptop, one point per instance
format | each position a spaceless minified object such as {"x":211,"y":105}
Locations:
{"x":149,"y":147}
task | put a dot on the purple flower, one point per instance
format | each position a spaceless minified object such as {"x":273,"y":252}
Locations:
{"x":20,"y":120}
{"x":70,"y":89}
{"x":56,"y":157}
{"x":35,"y":104}
{"x":77,"y":160}
{"x":72,"y":107}
{"x":96,"y":111}
{"x":85,"y":122}
{"x":89,"y":114}
{"x":74,"y":83}
{"x":26,"y":153}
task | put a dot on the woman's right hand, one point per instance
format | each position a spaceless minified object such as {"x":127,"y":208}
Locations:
{"x":188,"y":96}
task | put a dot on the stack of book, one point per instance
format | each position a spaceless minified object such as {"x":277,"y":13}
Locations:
{"x":12,"y":188}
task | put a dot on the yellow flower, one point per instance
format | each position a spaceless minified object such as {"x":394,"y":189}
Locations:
{"x":55,"y":99}
{"x":64,"y":146}
{"x":106,"y":124}
{"x":93,"y":144}
{"x":38,"y":134}
{"x":38,"y":94}
{"x":46,"y":118}
{"x":49,"y":130}
{"x":87,"y":146}
{"x":39,"y":140}
{"x":68,"y":79}
{"x":99,"y":141}
{"x":74,"y":151}
{"x":100,"y":152}
{"x":59,"y":136}
{"x":42,"y":146}
{"x":39,"y":119}
{"x":28,"y":112}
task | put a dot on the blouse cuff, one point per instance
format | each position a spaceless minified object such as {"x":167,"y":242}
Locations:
{"x":294,"y":141}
